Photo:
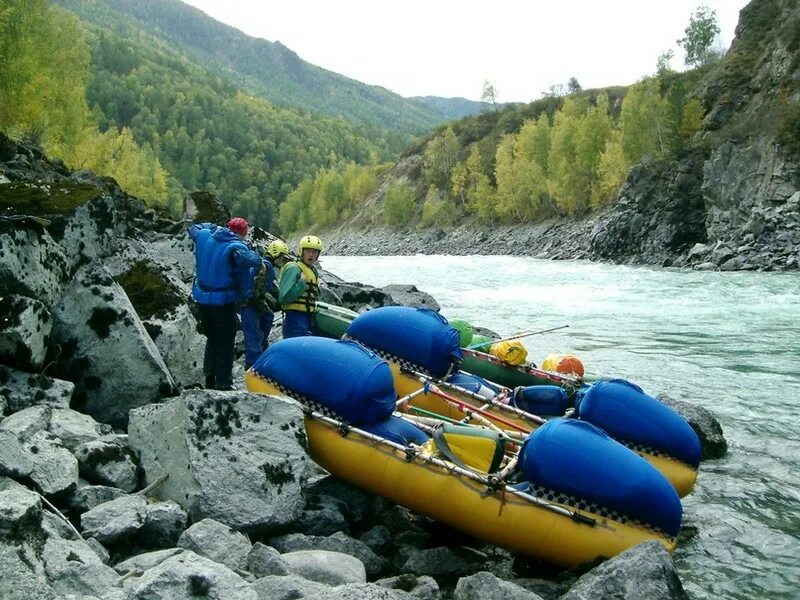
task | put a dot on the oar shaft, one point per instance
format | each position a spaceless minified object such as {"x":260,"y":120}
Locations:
{"x":517,"y":336}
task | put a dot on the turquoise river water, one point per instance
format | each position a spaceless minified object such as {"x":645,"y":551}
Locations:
{"x":727,"y":341}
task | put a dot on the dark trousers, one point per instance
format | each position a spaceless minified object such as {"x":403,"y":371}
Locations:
{"x":255,"y":327}
{"x":219,"y":325}
{"x":297,"y":323}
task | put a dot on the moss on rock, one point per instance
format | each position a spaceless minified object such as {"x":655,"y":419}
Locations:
{"x":149,"y":290}
{"x":43,"y":200}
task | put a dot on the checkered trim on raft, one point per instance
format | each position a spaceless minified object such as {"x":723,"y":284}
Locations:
{"x":652,"y":451}
{"x":404,"y":364}
{"x":590,"y":507}
{"x":305,"y":401}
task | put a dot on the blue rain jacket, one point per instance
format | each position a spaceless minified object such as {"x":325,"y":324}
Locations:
{"x":223,"y":263}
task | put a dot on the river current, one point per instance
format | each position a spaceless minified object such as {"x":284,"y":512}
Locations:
{"x":727,"y":341}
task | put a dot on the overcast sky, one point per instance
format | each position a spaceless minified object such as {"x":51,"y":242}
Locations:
{"x":450,"y":47}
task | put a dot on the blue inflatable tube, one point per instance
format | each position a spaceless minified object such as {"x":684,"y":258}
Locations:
{"x":343,"y":376}
{"x":419,"y":335}
{"x":582,"y":461}
{"x":474,"y":384}
{"x":624,"y":411}
{"x":398,"y":430}
{"x":547,"y":400}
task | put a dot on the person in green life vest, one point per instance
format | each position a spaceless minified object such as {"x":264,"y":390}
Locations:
{"x":299,"y":289}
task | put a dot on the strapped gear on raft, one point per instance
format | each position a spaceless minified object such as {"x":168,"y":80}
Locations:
{"x":277,"y":248}
{"x":311,"y":242}
{"x":238,"y":226}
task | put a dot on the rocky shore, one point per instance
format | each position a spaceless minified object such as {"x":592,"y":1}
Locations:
{"x":120,"y":478}
{"x":733,"y":208}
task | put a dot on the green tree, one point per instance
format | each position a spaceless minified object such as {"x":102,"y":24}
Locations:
{"x":573,"y":87}
{"x":464,"y":178}
{"x":663,"y":63}
{"x":43,"y":75}
{"x":566,"y":184}
{"x":642,"y":121}
{"x":521,"y":183}
{"x":612,"y":169}
{"x":398,"y":206}
{"x":699,"y":37}
{"x":438,"y":209}
{"x":691,"y":118}
{"x":293,"y":212}
{"x":489,"y":95}
{"x":534,"y":141}
{"x":439,"y":158}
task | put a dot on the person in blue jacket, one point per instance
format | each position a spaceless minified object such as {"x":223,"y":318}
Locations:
{"x":223,"y":263}
{"x":257,"y":311}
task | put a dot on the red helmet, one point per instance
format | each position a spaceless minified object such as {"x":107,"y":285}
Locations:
{"x":238,"y":226}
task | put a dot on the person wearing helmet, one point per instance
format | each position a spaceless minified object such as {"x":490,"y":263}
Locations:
{"x":257,"y":310}
{"x":223,"y":263}
{"x":299,"y":289}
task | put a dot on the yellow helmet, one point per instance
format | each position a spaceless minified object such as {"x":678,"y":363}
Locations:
{"x":310,"y":241}
{"x":277,"y":248}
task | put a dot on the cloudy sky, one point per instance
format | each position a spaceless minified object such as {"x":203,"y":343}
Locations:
{"x":450,"y":47}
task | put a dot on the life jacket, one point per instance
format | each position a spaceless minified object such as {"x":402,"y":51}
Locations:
{"x":307,"y":301}
{"x":219,"y":280}
{"x":261,"y":284}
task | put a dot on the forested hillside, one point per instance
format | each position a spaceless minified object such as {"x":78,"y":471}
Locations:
{"x":274,"y":72}
{"x":555,"y":156}
{"x":121,"y":102}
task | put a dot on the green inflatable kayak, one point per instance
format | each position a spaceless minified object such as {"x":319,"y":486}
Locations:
{"x":492,"y":368}
{"x":332,"y":321}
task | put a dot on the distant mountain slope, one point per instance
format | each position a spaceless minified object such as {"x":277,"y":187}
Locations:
{"x":270,"y":69}
{"x":450,"y":108}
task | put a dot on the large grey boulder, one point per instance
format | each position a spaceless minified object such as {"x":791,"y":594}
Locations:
{"x":422,"y":587}
{"x":160,"y":297}
{"x":73,"y":428}
{"x":22,"y":541}
{"x":486,"y":585}
{"x":115,"y":521}
{"x":22,"y":390}
{"x":106,"y":350}
{"x":26,"y":326}
{"x":163,"y":525}
{"x":289,"y":587}
{"x":712,"y":440}
{"x":142,"y":562}
{"x":86,"y":497}
{"x":32,"y":264}
{"x":70,"y":427}
{"x":91,"y":230}
{"x":188,"y":575}
{"x":331,"y":568}
{"x":234,"y":457}
{"x":644,"y":572}
{"x":361,"y":591}
{"x":408,"y":295}
{"x":436,"y":562}
{"x":26,"y":422}
{"x":73,"y":567}
{"x":108,"y":461}
{"x":39,"y":458}
{"x":265,"y":560}
{"x":218,"y":542}
{"x":338,"y":542}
